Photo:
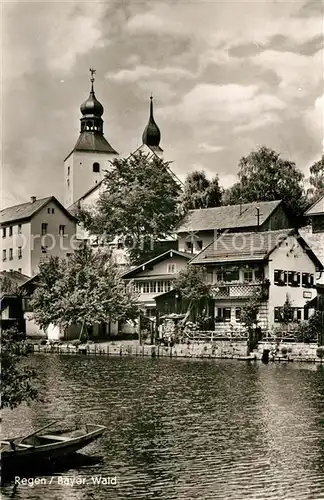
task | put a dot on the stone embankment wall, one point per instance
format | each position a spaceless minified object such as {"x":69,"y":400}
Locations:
{"x":217,"y":349}
{"x":225,"y":349}
{"x":290,"y":351}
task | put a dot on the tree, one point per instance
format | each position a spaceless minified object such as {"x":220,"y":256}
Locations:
{"x":286,"y":312}
{"x":191,"y":282}
{"x":200,"y":192}
{"x":17,"y":380}
{"x":139,"y":205}
{"x":316,"y":180}
{"x":310,"y":330}
{"x":249,"y":314}
{"x":84,"y":289}
{"x":265,"y":176}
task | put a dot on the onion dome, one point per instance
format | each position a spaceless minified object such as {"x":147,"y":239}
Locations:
{"x":151,"y":135}
{"x":92,"y":106}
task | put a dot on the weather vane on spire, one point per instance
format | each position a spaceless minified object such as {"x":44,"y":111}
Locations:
{"x":93,"y":72}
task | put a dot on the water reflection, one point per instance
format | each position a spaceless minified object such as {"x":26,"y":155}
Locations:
{"x":186,"y":429}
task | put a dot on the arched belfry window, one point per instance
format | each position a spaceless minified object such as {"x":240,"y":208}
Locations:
{"x":96,"y":167}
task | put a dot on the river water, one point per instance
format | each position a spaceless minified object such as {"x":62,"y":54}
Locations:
{"x":182,"y":429}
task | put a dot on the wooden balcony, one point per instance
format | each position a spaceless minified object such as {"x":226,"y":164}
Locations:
{"x":239,"y":290}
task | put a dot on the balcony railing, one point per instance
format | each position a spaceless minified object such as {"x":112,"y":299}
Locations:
{"x":239,"y":290}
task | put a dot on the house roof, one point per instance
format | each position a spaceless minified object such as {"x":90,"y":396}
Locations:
{"x":74,"y":205}
{"x":163,"y":256}
{"x":315,"y":241}
{"x":16,"y":277}
{"x":226,"y":217}
{"x":251,"y":246}
{"x":28,"y":210}
{"x":93,"y":142}
{"x":317,"y":208}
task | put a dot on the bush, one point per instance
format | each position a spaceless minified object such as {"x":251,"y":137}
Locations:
{"x":42,"y":342}
{"x":308,"y":331}
{"x":76,"y":342}
{"x":320,"y":352}
{"x":284,"y":351}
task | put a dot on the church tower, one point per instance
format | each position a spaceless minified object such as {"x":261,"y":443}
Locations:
{"x":84,"y":166}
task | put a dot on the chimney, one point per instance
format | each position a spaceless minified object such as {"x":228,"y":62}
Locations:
{"x":32,"y":199}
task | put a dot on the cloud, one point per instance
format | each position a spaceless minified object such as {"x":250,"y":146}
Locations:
{"x":157,"y":22}
{"x":265,"y":120}
{"x":223,"y":103}
{"x":314,"y":120}
{"x":148,"y":72}
{"x":209,"y":148}
{"x":299,"y":74}
{"x":74,"y":33}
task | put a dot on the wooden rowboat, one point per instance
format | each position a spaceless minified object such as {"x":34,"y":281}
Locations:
{"x":37,"y":448}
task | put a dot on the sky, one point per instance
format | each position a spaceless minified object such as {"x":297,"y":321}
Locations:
{"x":226,"y":77}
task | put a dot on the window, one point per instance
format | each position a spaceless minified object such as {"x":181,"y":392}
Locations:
{"x":189,"y":245}
{"x":68,"y":170}
{"x":238,"y":314}
{"x":19,"y":229}
{"x":210,"y":277}
{"x":48,"y":210}
{"x":10,"y":230}
{"x":223,"y":315}
{"x":19,"y":270}
{"x":160,"y":287}
{"x":298,"y":314}
{"x":306,"y":313}
{"x":280,"y":277}
{"x":171,"y":268}
{"x":96,"y":167}
{"x":4,"y":254}
{"x":258,"y":274}
{"x":19,"y":252}
{"x":199,"y":244}
{"x":68,"y":183}
{"x":44,"y":249}
{"x":61,"y":230}
{"x":293,"y":278}
{"x":248,"y":275}
{"x":307,"y":280}
{"x":277,"y":314}
{"x":44,"y":228}
{"x":3,"y":232}
{"x":167,"y":286}
{"x":10,"y":253}
{"x":146,"y":287}
{"x":228,"y":275}
{"x":152,"y":286}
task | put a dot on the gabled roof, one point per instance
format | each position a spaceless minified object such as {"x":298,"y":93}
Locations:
{"x":317,"y":208}
{"x":252,"y":246}
{"x":226,"y":217}
{"x":94,"y":142}
{"x":14,"y":276}
{"x":163,"y":256}
{"x":28,"y":210}
{"x":74,"y":205}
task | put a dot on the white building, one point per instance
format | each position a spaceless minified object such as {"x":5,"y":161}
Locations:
{"x":31,"y":232}
{"x":278,"y":263}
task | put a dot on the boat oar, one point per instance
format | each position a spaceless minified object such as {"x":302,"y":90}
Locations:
{"x":38,"y":430}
